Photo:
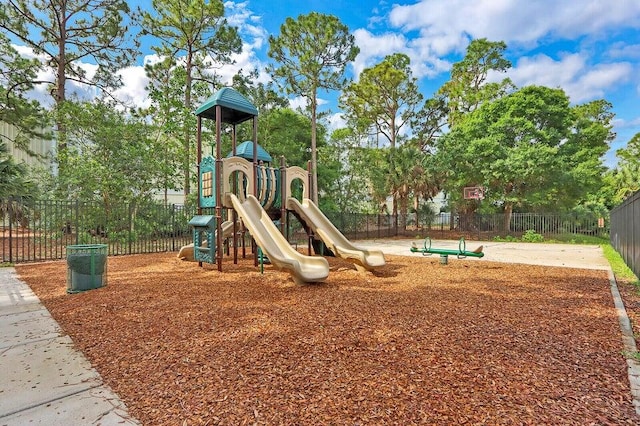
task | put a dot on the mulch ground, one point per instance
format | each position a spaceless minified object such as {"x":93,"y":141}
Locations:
{"x":630,"y":293}
{"x":415,"y":342}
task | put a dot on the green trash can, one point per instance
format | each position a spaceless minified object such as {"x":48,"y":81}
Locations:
{"x":86,"y":267}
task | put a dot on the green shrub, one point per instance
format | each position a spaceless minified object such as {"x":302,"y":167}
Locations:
{"x":505,"y":239}
{"x":531,"y":236}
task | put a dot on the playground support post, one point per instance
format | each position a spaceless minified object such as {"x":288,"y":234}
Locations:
{"x":255,"y":180}
{"x":283,"y":195}
{"x":218,"y":250}
{"x":234,"y":214}
{"x":199,"y":154}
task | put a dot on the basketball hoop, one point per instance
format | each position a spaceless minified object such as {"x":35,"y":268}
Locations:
{"x":473,"y":193}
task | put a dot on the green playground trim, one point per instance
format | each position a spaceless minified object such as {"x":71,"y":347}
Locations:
{"x":461,"y":253}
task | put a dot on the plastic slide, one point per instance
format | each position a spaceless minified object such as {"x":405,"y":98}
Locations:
{"x":334,"y":240}
{"x":274,"y":245}
{"x":186,"y":252}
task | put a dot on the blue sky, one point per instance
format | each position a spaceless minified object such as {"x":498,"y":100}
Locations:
{"x":590,"y":48}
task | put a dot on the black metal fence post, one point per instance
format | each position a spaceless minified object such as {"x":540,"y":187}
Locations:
{"x":625,"y":231}
{"x":10,"y":233}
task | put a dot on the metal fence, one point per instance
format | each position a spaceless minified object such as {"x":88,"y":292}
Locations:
{"x":625,"y":231}
{"x":474,"y":226}
{"x":41,"y":230}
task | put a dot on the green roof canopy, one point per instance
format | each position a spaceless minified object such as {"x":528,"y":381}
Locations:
{"x":245,"y":150}
{"x":235,"y":107}
{"x":200,"y":221}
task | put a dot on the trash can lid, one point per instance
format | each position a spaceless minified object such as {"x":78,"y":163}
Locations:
{"x":86,"y":246}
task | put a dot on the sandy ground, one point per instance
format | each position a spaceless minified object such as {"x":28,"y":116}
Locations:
{"x":414,"y":342}
{"x":563,"y":255}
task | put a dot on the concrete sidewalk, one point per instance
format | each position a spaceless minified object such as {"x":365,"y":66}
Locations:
{"x":43,"y":379}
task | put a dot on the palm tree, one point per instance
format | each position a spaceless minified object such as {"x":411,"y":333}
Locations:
{"x":14,"y":184}
{"x":425,"y":182}
{"x":405,"y":164}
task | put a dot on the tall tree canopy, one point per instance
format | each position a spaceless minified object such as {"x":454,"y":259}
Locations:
{"x":285,"y":132}
{"x":67,"y":33}
{"x":385,"y":97}
{"x":351,"y":188}
{"x":468,"y":88}
{"x":626,"y":176}
{"x":311,"y":54}
{"x":527,"y":149}
{"x":583,"y":151}
{"x":195,"y":35}
{"x":263,"y":96}
{"x":166,"y":114}
{"x":429,"y":123}
{"x":13,"y":177}
{"x":114,"y":162}
{"x":17,"y":76}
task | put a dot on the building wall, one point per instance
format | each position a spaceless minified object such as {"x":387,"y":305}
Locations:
{"x":173,"y":197}
{"x":42,"y":147}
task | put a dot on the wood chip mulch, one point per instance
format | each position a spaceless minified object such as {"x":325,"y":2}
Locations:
{"x":415,"y":342}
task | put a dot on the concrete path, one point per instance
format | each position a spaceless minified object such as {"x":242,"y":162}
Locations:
{"x":43,"y":379}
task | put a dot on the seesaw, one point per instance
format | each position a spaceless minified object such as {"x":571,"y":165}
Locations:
{"x":461,"y":253}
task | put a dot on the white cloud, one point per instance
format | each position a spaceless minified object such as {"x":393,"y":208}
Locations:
{"x":46,"y":75}
{"x":624,"y":51}
{"x":134,"y":89}
{"x":375,"y":47}
{"x":253,"y":36}
{"x":513,"y":20}
{"x":581,"y":81}
{"x":438,"y":29}
{"x":27,"y":52}
{"x":81,"y":90}
{"x":245,"y":60}
{"x":151,"y":59}
{"x":335,"y":121}
{"x":249,"y":25}
{"x":299,"y":102}
{"x":631,"y":123}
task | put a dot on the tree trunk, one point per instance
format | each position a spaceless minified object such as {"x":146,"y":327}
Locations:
{"x":395,"y":213}
{"x":60,"y":95}
{"x":314,"y":156}
{"x":187,"y":133}
{"x":508,"y":211}
{"x":452,"y":219}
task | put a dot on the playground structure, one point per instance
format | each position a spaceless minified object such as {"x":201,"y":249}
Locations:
{"x":461,"y":253}
{"x":241,"y":195}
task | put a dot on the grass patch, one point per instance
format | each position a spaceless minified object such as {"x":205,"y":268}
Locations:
{"x":579,"y":239}
{"x":532,"y":237}
{"x":619,"y":268}
{"x":5,"y":264}
{"x":631,"y":355}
